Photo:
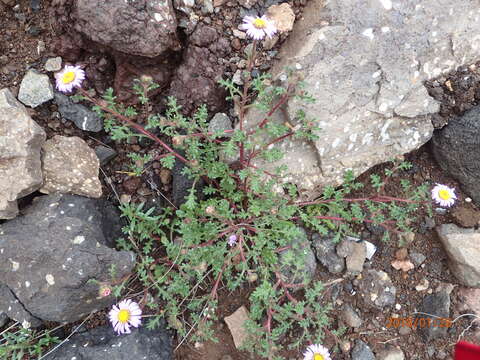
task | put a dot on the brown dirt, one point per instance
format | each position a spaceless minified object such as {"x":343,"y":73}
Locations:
{"x":22,"y":34}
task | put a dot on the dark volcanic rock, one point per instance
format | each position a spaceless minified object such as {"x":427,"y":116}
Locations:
{"x":83,"y":117}
{"x":456,"y":146}
{"x":102,"y":343}
{"x":195,"y":81}
{"x":12,"y":308}
{"x":438,"y":305}
{"x":141,"y":27}
{"x":49,"y":255}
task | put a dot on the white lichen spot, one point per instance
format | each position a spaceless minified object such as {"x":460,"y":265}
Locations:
{"x":158,"y":17}
{"x":50,"y":279}
{"x":27,"y":284}
{"x":387,"y":4}
{"x":26,"y":324}
{"x":15,"y":265}
{"x":368,"y":33}
{"x":78,"y":239}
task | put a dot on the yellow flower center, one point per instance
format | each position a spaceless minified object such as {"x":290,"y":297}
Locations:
{"x":317,"y":357}
{"x":123,"y":316}
{"x":444,"y":194}
{"x":259,"y":23}
{"x":68,"y":77}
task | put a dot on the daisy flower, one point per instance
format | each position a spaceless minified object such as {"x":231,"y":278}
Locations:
{"x":316,"y":352}
{"x":258,"y":27}
{"x":232,"y":240}
{"x":126,"y":314}
{"x":444,"y":195}
{"x":70,"y":77}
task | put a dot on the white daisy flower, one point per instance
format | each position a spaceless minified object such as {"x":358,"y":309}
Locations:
{"x":444,"y":195}
{"x":126,"y":314}
{"x":258,"y":27}
{"x":70,"y":77}
{"x":316,"y":352}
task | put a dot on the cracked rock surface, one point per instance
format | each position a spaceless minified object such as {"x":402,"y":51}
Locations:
{"x":365,"y":61}
{"x":50,"y":255}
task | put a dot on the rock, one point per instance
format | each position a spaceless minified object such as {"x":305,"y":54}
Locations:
{"x":220,"y":122}
{"x":355,"y":254}
{"x":466,"y":217}
{"x":84,"y":118}
{"x":101,"y":343}
{"x":324,"y":248}
{"x":370,"y":107}
{"x":247,"y":3}
{"x":194,"y":82}
{"x":207,"y":7}
{"x":70,"y":166}
{"x":455,"y":149}
{"x":186,"y":6}
{"x":422,"y":285}
{"x":237,"y":77}
{"x":377,"y":289}
{"x":104,"y":154}
{"x":35,"y":89}
{"x":10,"y":307}
{"x":463,"y":249}
{"x":49,"y":255}
{"x":145,"y":28}
{"x":390,"y":353}
{"x":350,"y":316}
{"x":282,"y":15}
{"x":53,"y":64}
{"x":438,"y":305}
{"x":20,"y":142}
{"x":236,"y":325}
{"x":470,"y":304}
{"x":404,"y":265}
{"x":417,"y":258}
{"x":3,"y":319}
{"x":297,"y":264}
{"x":362,"y":351}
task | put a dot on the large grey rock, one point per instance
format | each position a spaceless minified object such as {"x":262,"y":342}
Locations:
{"x":35,"y":89}
{"x":141,"y":27}
{"x":83,"y":117}
{"x":70,"y":166}
{"x":20,"y":142}
{"x":463,"y":249}
{"x":49,"y":256}
{"x":456,"y":146}
{"x":101,"y":343}
{"x":376,"y":289}
{"x":365,"y":61}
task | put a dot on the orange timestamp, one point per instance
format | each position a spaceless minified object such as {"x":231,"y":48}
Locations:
{"x":419,"y":322}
